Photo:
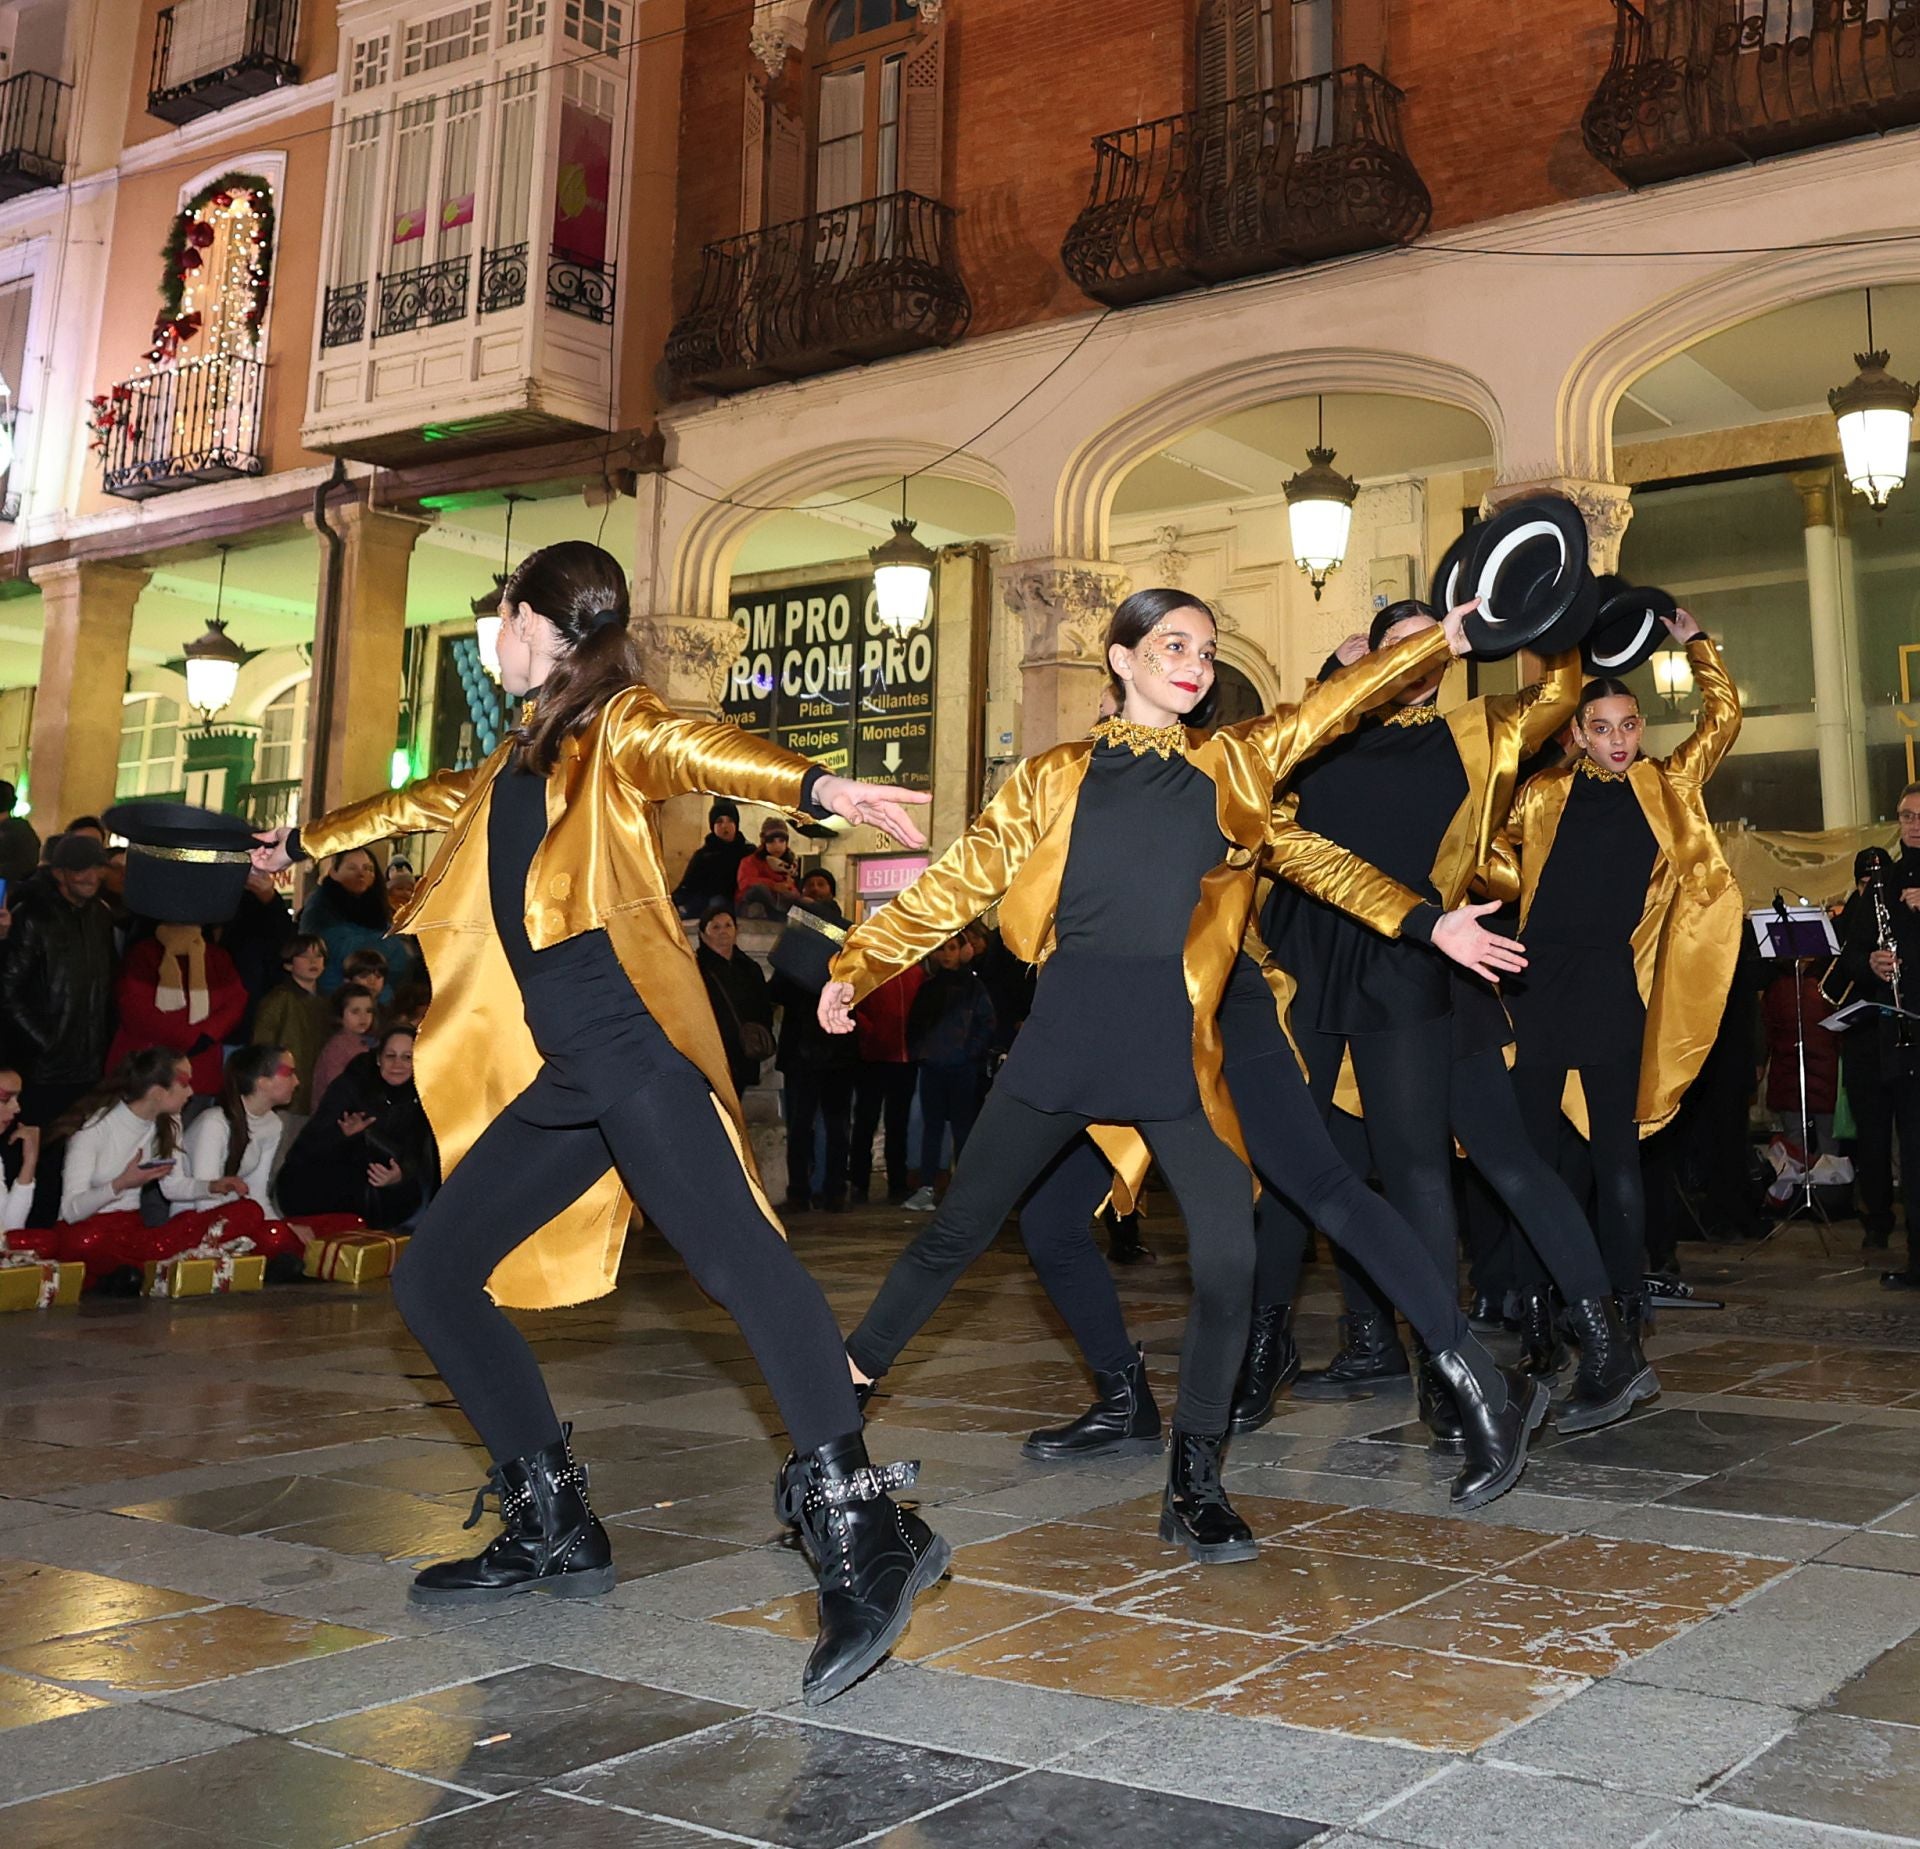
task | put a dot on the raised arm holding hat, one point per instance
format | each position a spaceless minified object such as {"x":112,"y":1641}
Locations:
{"x":572,"y":1070}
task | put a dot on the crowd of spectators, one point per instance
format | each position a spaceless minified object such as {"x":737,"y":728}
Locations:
{"x":161,"y":1080}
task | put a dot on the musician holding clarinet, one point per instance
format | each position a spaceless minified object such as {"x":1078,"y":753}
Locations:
{"x":1880,"y":1055}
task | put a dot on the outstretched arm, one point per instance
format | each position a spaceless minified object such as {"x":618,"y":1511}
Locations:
{"x":965,"y":881}
{"x":426,"y":807}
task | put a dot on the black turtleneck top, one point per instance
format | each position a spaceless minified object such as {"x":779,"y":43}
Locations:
{"x":1388,"y":793}
{"x":1110,"y":1036}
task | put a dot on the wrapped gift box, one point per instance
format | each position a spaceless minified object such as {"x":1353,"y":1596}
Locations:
{"x":355,"y":1258}
{"x":189,"y":1276}
{"x":37,"y":1284}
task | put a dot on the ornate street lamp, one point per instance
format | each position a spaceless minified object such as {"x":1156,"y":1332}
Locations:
{"x":214,"y":659}
{"x":1673,"y":677}
{"x":1875,"y":416}
{"x":902,"y":576}
{"x":1320,"y":512}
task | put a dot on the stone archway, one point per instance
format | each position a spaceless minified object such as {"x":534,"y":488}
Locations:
{"x":1093,"y":475}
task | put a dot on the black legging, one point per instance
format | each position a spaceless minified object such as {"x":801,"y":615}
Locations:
{"x":677,"y":1162}
{"x":1419,"y":1098}
{"x":1011,"y":1144}
{"x":1612,"y":1093}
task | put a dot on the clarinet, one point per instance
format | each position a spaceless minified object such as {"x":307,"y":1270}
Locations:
{"x":1903,"y":1043}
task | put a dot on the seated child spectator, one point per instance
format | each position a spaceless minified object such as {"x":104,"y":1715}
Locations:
{"x":19,"y":1156}
{"x":295,"y":1015}
{"x":230,"y":1148}
{"x":354,"y":1010}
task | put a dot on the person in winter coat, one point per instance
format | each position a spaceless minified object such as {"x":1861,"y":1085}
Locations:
{"x":253,"y":938}
{"x":884,"y":1085}
{"x":950,"y":1032}
{"x":368,"y":1148}
{"x":765,"y":886}
{"x":742,"y":1008}
{"x":713,"y":873}
{"x":817,"y":1073}
{"x":349,"y":911}
{"x":296,"y":1015}
{"x":179,"y":991}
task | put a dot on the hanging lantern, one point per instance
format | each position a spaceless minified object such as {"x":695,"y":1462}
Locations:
{"x":1875,"y":416}
{"x":1673,"y":675}
{"x":214,"y":659}
{"x":902,"y":577}
{"x":486,"y":609}
{"x":1320,"y":513}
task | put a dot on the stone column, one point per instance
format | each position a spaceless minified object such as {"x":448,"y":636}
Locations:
{"x":358,"y":656}
{"x":1063,"y":606}
{"x":1839,"y":728}
{"x":1606,"y":507}
{"x":87,"y":611}
{"x":685,"y":659}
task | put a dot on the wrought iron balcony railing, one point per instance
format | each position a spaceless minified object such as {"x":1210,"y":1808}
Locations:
{"x":425,"y":297}
{"x":838,"y":287}
{"x":33,"y":133}
{"x":1272,"y":179}
{"x":1697,"y":84}
{"x":192,"y":422}
{"x":343,"y":315}
{"x":208,"y":54}
{"x":503,"y":278}
{"x":580,"y":287}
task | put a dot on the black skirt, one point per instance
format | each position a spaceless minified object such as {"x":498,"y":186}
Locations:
{"x":1578,"y":1005}
{"x":1110,"y":1038}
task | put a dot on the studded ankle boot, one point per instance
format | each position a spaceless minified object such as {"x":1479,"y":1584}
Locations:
{"x":1123,"y":1421}
{"x":550,"y":1540}
{"x":874,"y":1559}
{"x":1272,"y":1362}
{"x":1613,"y":1376}
{"x":1195,"y":1513}
{"x":789,"y":1483}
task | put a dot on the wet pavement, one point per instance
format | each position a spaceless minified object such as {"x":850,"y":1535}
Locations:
{"x":1700,"y":1629}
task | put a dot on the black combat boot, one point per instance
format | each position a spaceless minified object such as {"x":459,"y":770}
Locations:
{"x":1485,"y":1313}
{"x":1196,"y":1514}
{"x":1438,"y":1412}
{"x":1636,"y":1313}
{"x":1123,"y":1421}
{"x":1370,"y":1356}
{"x":1541,"y":1350}
{"x":551,"y":1540}
{"x":789,"y":1483}
{"x":874,"y":1559}
{"x":1124,"y":1244}
{"x":1499,"y":1412}
{"x":1272,"y":1362}
{"x":1613,"y":1376}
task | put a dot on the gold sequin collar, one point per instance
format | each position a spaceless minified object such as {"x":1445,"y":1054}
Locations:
{"x":1412,"y":715}
{"x":1170,"y":741}
{"x":1599,"y":772}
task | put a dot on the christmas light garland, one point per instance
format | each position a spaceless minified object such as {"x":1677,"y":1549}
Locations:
{"x":245,"y":201}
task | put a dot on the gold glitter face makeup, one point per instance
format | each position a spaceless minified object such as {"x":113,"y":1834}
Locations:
{"x":1171,"y":643}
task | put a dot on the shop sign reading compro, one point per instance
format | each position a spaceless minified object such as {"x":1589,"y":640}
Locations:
{"x":820,"y":675}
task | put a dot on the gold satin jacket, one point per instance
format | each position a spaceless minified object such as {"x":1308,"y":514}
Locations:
{"x":1016,"y":854}
{"x":599,"y":867}
{"x":1493,"y":735}
{"x":1688,"y":937}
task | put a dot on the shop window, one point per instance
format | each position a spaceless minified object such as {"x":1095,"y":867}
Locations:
{"x":150,"y":747}
{"x":283,"y":736}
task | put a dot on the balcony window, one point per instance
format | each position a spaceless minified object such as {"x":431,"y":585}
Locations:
{"x":1698,"y":84}
{"x":599,"y":25}
{"x":208,"y":54}
{"x":33,"y":133}
{"x":448,"y":38}
{"x":283,"y":736}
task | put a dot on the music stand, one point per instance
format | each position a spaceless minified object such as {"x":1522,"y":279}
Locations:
{"x":1795,"y":934}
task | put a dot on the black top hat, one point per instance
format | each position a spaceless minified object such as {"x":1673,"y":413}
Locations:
{"x":184,"y":865}
{"x":1527,"y":564}
{"x":1628,"y":631}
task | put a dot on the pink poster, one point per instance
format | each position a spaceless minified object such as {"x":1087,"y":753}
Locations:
{"x":410,"y":226}
{"x":457,"y":212}
{"x":582,"y":185}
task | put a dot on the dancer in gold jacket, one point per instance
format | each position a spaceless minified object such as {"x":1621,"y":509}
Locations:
{"x":1632,"y":920}
{"x":571,"y":1070}
{"x":1124,"y":865}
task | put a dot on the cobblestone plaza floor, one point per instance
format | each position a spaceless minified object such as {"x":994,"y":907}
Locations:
{"x":1700,"y":1629}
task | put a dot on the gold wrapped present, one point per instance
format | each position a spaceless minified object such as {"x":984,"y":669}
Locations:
{"x":354,"y":1258}
{"x":38,"y":1284}
{"x":191,"y":1275}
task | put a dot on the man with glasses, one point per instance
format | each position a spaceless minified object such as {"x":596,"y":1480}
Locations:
{"x":1880,"y":1058}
